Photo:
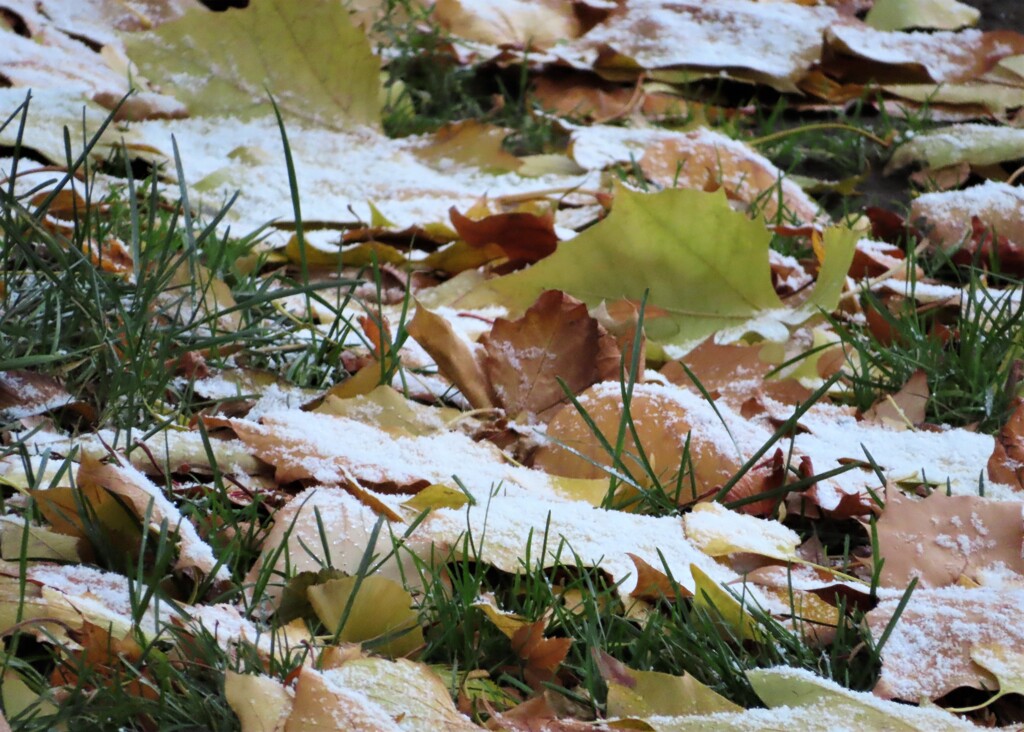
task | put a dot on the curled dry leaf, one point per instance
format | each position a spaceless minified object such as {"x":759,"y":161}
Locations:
{"x":708,"y":160}
{"x":942,"y":538}
{"x":523,"y":237}
{"x":904,"y":409}
{"x":928,"y":653}
{"x":556,"y":342}
{"x":454,"y":358}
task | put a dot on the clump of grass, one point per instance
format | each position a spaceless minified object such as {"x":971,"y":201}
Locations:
{"x":428,"y":88}
{"x":969,"y":358}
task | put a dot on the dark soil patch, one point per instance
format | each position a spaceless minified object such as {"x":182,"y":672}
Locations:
{"x":1000,"y":14}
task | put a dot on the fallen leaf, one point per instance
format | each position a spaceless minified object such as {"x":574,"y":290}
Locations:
{"x":949,"y":215}
{"x":707,"y":160}
{"x":891,"y":15}
{"x":666,"y":419}
{"x":638,"y":694}
{"x":370,"y":609}
{"x":323,"y":72}
{"x":701,"y":262}
{"x":904,"y":409}
{"x":858,"y":53}
{"x":976,"y":144}
{"x":453,"y":356}
{"x":261,"y":702}
{"x":1006,"y":664}
{"x":374,"y":695}
{"x":834,"y":706}
{"x":341,"y":451}
{"x":516,"y":22}
{"x":928,"y":653}
{"x":718,"y":532}
{"x":25,"y":394}
{"x":709,"y":595}
{"x":523,"y":237}
{"x":765,"y":42}
{"x":550,"y":533}
{"x":941,"y":538}
{"x":556,"y":346}
{"x":468,"y":142}
{"x":1007,"y":462}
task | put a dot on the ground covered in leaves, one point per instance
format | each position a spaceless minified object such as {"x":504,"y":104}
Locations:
{"x":520,"y":365}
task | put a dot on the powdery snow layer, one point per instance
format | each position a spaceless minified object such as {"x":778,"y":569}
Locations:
{"x":339,"y":174}
{"x":928,"y":653}
{"x":330,"y":449}
{"x":954,"y":456}
{"x":508,"y":532}
{"x":777,"y":42}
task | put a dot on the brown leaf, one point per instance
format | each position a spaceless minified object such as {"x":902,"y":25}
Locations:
{"x":941,"y":538}
{"x":928,"y":653}
{"x":26,"y":394}
{"x":905,"y":408}
{"x":856,"y":52}
{"x":1007,"y":462}
{"x":452,"y":355}
{"x":541,"y":655}
{"x":763,"y":477}
{"x":665,"y":420}
{"x":555,"y":339}
{"x":985,"y":218}
{"x":523,"y":237}
{"x":733,"y":373}
{"x":708,"y":160}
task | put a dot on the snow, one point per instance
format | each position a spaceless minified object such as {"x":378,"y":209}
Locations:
{"x":946,"y":55}
{"x":954,"y":455}
{"x":777,"y":42}
{"x":508,"y":531}
{"x":333,"y":448}
{"x":927,"y":653}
